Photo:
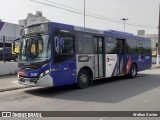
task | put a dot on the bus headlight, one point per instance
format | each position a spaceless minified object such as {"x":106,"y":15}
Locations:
{"x":47,"y":71}
{"x":44,"y":73}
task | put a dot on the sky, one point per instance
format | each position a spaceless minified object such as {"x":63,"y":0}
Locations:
{"x":141,"y":12}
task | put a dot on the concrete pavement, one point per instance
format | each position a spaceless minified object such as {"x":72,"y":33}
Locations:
{"x":10,"y":82}
{"x":122,"y":94}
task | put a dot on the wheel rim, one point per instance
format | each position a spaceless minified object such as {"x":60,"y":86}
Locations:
{"x":83,"y":79}
{"x":133,"y":71}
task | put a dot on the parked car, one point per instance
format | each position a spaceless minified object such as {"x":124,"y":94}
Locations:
{"x":7,"y":54}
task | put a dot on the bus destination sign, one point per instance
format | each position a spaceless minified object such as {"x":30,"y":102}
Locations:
{"x":34,"y":29}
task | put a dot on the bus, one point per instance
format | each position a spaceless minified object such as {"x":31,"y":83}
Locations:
{"x":56,"y":54}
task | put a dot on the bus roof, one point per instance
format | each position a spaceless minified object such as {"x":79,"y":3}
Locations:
{"x":123,"y":35}
{"x":119,"y":34}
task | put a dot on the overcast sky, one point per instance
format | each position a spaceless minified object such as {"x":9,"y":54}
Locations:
{"x":143,"y":12}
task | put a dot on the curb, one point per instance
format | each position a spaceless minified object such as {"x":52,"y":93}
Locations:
{"x":155,"y":68}
{"x":15,"y":88}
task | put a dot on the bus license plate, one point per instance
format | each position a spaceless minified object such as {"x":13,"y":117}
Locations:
{"x":27,"y":82}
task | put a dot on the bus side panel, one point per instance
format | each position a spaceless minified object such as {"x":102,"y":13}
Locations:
{"x":135,"y":59}
{"x":143,"y":61}
{"x":111,"y":65}
{"x":54,"y":75}
{"x":83,"y":64}
{"x":73,"y":68}
{"x":148,"y":61}
{"x":64,"y":73}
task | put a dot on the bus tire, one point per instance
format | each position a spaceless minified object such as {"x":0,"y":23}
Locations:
{"x":133,"y":71}
{"x":83,"y":79}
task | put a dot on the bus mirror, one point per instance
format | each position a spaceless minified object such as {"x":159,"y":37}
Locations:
{"x":16,"y":46}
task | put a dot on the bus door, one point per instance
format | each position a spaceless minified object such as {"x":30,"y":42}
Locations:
{"x":64,"y":59}
{"x":121,"y":56}
{"x":99,"y":57}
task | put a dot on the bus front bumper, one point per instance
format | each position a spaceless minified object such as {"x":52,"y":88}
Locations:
{"x":46,"y":81}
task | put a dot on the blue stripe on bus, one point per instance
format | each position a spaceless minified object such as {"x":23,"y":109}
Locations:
{"x":114,"y":70}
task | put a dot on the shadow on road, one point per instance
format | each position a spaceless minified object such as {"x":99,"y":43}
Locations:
{"x":110,"y":90}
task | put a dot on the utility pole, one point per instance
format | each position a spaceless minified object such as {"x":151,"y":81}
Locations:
{"x":158,"y":45}
{"x":124,"y":19}
{"x":84,"y":13}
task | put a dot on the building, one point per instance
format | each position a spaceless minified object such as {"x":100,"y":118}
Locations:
{"x":141,"y":32}
{"x":33,"y":19}
{"x":153,"y":37}
{"x":9,"y":32}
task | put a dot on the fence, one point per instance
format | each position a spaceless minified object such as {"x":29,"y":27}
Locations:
{"x":6,"y":53}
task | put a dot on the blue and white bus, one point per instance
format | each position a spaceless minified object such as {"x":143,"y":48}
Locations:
{"x":55,"y":54}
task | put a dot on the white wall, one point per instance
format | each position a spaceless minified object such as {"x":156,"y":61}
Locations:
{"x":10,"y":30}
{"x":8,"y":68}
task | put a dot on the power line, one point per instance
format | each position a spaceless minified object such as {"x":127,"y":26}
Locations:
{"x":88,"y":13}
{"x":57,"y":7}
{"x":80,"y":12}
{"x":99,"y":16}
{"x":63,"y":5}
{"x":140,"y":25}
{"x":74,"y":11}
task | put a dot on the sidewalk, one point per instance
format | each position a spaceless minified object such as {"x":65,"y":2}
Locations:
{"x":10,"y":82}
{"x":154,"y":66}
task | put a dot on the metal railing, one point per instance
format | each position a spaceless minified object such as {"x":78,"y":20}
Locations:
{"x":6,"y":54}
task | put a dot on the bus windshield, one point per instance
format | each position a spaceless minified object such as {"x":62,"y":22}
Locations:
{"x":35,"y":48}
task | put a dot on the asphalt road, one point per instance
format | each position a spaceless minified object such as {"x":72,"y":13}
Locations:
{"x":118,"y":94}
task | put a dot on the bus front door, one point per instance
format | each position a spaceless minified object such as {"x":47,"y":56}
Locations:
{"x":99,"y":58}
{"x":121,"y":55}
{"x":64,"y":61}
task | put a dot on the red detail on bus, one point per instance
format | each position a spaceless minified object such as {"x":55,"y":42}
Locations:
{"x":22,"y":73}
{"x":128,"y":65}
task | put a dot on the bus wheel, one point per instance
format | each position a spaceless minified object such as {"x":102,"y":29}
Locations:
{"x":83,"y":79}
{"x":133,"y":71}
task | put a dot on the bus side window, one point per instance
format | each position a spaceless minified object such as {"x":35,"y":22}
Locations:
{"x":111,"y":47}
{"x":67,"y":46}
{"x":85,"y":43}
{"x":120,"y":47}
